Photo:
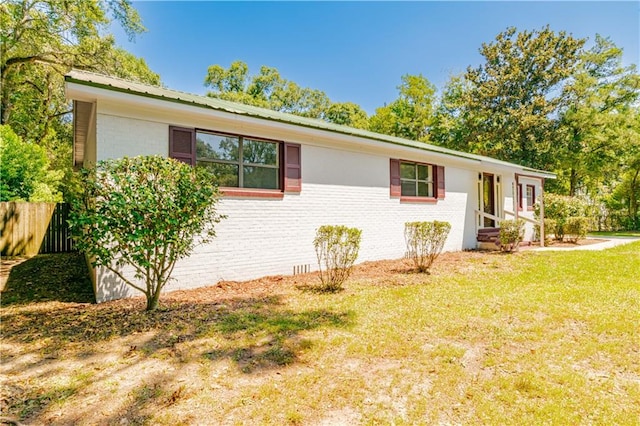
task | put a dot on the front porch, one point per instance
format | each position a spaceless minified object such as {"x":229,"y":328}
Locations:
{"x":495,"y":207}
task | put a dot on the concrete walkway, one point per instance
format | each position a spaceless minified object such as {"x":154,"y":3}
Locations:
{"x":611,"y":242}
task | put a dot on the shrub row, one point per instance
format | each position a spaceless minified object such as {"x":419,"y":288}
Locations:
{"x":337,"y":249}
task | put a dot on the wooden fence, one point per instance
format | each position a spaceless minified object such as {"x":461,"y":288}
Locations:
{"x":27,"y":229}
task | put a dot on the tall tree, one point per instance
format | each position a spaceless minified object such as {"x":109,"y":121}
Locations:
{"x":410,"y":116}
{"x":347,"y":114}
{"x":267,"y":89}
{"x":508,"y":103}
{"x":40,"y":40}
{"x":596,"y":120}
{"x":623,"y":200}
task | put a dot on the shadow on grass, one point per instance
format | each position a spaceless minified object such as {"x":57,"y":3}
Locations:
{"x":48,"y":317}
{"x":256,"y":333}
{"x":247,"y":324}
{"x":59,"y":277}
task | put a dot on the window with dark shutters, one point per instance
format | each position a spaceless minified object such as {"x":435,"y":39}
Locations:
{"x":244,"y":166}
{"x":416,"y":182}
{"x":182,"y":144}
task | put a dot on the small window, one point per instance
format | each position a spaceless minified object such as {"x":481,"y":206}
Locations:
{"x":416,"y":180}
{"x":531,"y":196}
{"x":238,"y":161}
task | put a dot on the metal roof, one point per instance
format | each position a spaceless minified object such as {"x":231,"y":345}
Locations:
{"x":120,"y":85}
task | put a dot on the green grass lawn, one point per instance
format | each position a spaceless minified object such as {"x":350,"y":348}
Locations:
{"x":487,"y":338}
{"x":615,"y":234}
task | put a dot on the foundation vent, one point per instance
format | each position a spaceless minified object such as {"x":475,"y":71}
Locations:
{"x":301,"y":269}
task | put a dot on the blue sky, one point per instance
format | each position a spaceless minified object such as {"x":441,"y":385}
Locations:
{"x":354,"y":51}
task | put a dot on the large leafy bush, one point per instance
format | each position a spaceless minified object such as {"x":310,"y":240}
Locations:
{"x":560,"y":208}
{"x":145,"y":212}
{"x":24,"y":170}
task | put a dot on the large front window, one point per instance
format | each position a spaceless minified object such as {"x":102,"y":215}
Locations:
{"x":416,"y":179}
{"x":239,"y":161}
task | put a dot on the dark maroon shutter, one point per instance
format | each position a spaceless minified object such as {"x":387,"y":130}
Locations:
{"x":182,"y":144}
{"x":440,"y":181}
{"x":292,"y":167}
{"x":395,"y":187}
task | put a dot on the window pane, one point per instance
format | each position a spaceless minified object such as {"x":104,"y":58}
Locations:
{"x":425,"y":189}
{"x":408,"y":188}
{"x":216,"y":147}
{"x":424,"y":172}
{"x":260,"y":177}
{"x":407,"y":171}
{"x":225,"y":174}
{"x":259,"y":152}
{"x":530,"y":200}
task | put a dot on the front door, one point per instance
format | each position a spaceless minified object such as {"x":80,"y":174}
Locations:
{"x":488,"y":199}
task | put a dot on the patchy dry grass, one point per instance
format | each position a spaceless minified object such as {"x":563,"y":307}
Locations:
{"x":487,"y":338}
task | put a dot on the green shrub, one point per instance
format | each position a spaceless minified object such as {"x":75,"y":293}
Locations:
{"x":549,"y":229}
{"x":145,"y":212}
{"x":560,"y":208}
{"x":576,"y":228}
{"x":337,"y":250}
{"x":511,"y":234}
{"x":24,"y":170}
{"x":425,"y":241}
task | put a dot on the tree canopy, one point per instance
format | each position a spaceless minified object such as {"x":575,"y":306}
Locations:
{"x":411,"y":114}
{"x":543,"y":100}
{"x":25,"y":172}
{"x":40,"y":41}
{"x":506,"y":104}
{"x":266,"y":89}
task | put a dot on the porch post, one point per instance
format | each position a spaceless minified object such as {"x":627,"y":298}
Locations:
{"x":516,"y":199}
{"x":542,"y":230}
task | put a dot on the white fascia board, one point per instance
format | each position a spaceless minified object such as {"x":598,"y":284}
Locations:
{"x":310,"y":135}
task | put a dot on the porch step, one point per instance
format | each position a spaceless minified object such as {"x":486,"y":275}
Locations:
{"x":488,"y":234}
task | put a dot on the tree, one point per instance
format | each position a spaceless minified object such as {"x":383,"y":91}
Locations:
{"x":40,"y":41}
{"x":623,"y":202}
{"x":409,"y":116}
{"x":450,"y":118}
{"x":24,"y":171}
{"x":347,"y":114}
{"x":145,"y":212}
{"x":507,"y":104}
{"x":266,"y":89}
{"x":594,"y":123}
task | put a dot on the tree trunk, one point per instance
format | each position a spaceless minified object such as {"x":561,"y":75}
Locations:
{"x":633,"y":202}
{"x":573,"y":182}
{"x":152,"y":300}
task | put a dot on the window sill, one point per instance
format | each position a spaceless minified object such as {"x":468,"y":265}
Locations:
{"x":409,"y":199}
{"x":530,"y":209}
{"x":252,"y":193}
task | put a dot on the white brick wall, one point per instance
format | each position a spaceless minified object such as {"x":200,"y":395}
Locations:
{"x":119,"y":137}
{"x":270,"y":236}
